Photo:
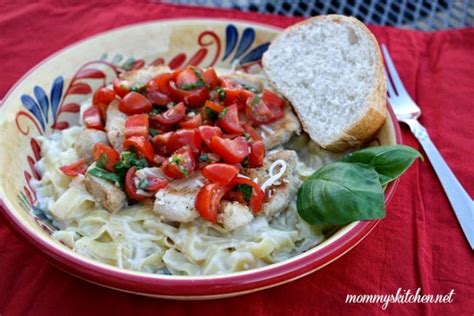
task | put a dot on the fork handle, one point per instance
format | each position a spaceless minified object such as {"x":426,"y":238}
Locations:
{"x":462,"y":204}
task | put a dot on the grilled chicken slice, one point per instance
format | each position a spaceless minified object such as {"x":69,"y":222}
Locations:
{"x":112,"y":198}
{"x":280,"y":193}
{"x":234,"y":215}
{"x":115,"y":125}
{"x":280,"y":132}
{"x":175,"y":203}
{"x":86,"y":141}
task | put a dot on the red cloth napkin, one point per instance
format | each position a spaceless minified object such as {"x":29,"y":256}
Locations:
{"x":418,"y":245}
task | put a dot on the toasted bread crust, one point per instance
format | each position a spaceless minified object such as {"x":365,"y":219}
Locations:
{"x":364,"y":129}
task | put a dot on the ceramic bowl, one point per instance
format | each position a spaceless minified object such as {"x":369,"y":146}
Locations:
{"x":46,"y":99}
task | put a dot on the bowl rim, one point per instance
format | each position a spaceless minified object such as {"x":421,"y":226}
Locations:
{"x":189,"y":286}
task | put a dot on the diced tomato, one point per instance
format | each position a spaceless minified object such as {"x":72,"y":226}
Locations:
{"x":193,"y":122}
{"x":207,"y":132}
{"x":238,"y":97}
{"x":181,"y":164}
{"x":260,"y":113}
{"x":140,"y":145}
{"x":137,"y":125}
{"x":160,"y":83}
{"x":252,"y":133}
{"x":216,"y":107}
{"x":235,"y":93}
{"x":105,"y":155}
{"x":210,"y":111}
{"x":184,"y":137}
{"x":210,"y":77}
{"x":196,"y":98}
{"x":188,"y":87}
{"x":229,"y":120}
{"x":155,"y":183}
{"x":135,"y":103}
{"x":157,"y":89}
{"x":186,"y":78}
{"x":235,"y":196}
{"x":121,"y":87}
{"x":92,"y":118}
{"x":158,"y":98}
{"x":257,"y":153}
{"x":130,"y":187}
{"x":101,"y":100}
{"x":160,"y":143}
{"x":221,"y":173}
{"x":257,"y":196}
{"x":74,"y":169}
{"x":172,"y":116}
{"x":230,"y":150}
{"x":272,"y":99}
{"x":158,"y":160}
{"x":208,"y":201}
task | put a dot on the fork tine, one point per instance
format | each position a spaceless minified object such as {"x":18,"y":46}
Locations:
{"x":391,"y":91}
{"x":393,"y":72}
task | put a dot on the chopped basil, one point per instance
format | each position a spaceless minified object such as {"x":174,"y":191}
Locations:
{"x":104,"y":174}
{"x":221,"y":94}
{"x":183,"y":170}
{"x":200,"y":83}
{"x":153,"y":132}
{"x":203,"y":158}
{"x":102,"y":161}
{"x":176,"y":159}
{"x":255,"y":100}
{"x":143,"y":184}
{"x":211,"y":114}
{"x":245,"y":162}
{"x":247,"y":136}
{"x":223,"y":113}
{"x":249,"y":87}
{"x":246,"y":191}
{"x":127,"y":160}
{"x":192,"y":86}
{"x":158,"y":110}
{"x":137,"y":87}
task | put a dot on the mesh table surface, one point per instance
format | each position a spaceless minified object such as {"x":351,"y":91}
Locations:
{"x":415,"y":14}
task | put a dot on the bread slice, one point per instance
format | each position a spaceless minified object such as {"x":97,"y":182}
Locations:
{"x":330,"y":69}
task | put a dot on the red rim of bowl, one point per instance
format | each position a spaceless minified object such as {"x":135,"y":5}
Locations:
{"x":196,"y":287}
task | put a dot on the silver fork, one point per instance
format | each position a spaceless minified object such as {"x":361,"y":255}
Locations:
{"x":408,"y":112}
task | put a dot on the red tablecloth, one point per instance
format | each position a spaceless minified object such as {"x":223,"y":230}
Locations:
{"x":418,"y":245}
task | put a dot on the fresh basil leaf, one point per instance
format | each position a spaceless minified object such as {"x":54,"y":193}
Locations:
{"x":104,"y":174}
{"x":246,"y":191}
{"x":340,"y":193}
{"x":389,"y":161}
{"x":102,"y":161}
